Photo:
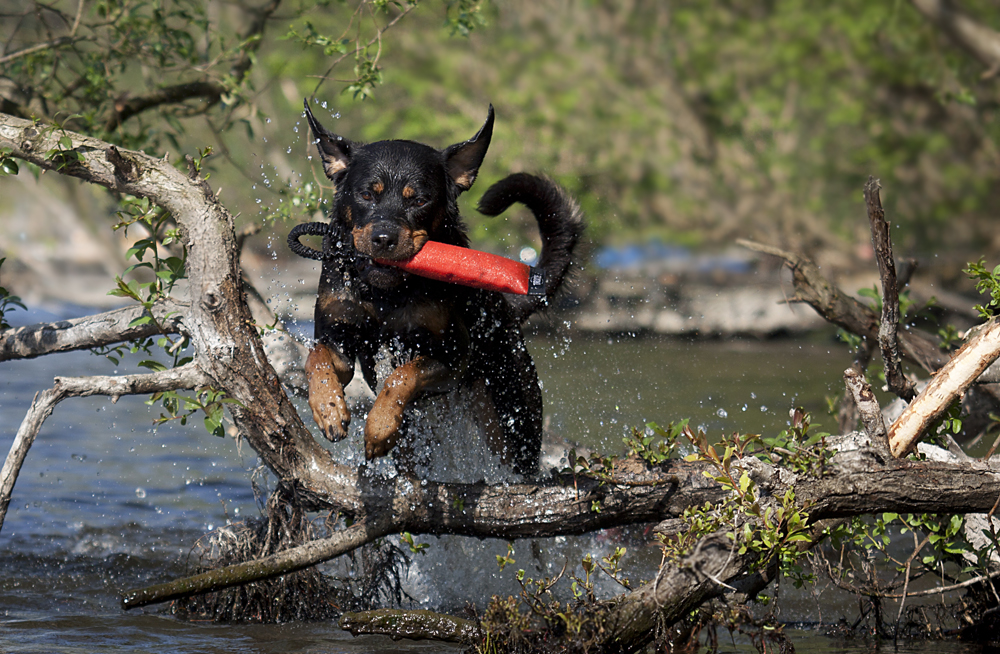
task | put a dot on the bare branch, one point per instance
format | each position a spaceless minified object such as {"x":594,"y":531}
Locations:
{"x":947,"y":385}
{"x":871,"y":413}
{"x":888,"y":342}
{"x":275,"y":565}
{"x":813,"y":288}
{"x":90,"y":331}
{"x":189,"y":376}
{"x":125,"y":107}
{"x":54,"y":43}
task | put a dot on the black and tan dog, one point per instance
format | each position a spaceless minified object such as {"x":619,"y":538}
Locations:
{"x":391,"y":198}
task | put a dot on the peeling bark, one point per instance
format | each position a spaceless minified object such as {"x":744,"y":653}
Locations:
{"x":889,"y":323}
{"x":946,"y":387}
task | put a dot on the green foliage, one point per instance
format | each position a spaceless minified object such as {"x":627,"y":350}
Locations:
{"x":64,"y":155}
{"x":8,"y":164}
{"x":773,"y":531}
{"x":181,"y":407}
{"x":796,"y":448}
{"x":987,"y":282}
{"x":167,"y":271}
{"x":464,"y":16}
{"x":595,"y":466}
{"x":537,"y":613}
{"x":950,"y":421}
{"x":655,"y":444}
{"x":944,"y":534}
{"x":674,"y":120}
{"x":416,"y":548}
{"x":8,"y":302}
{"x":853,"y":341}
{"x":949,"y":337}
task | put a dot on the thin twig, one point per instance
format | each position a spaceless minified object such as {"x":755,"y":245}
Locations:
{"x":376,"y":39}
{"x":55,"y":43}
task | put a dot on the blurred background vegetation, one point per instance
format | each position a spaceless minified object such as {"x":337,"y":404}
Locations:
{"x":689,"y":122}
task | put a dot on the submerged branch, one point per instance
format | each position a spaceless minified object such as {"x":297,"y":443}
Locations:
{"x":414,"y":625}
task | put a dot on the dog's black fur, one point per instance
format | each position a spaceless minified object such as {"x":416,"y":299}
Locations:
{"x":391,"y":198}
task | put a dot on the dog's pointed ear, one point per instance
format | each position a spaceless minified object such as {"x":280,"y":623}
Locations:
{"x":463,"y":159}
{"x":335,"y":151}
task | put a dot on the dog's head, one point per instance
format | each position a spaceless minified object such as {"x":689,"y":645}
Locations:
{"x":394,"y":196}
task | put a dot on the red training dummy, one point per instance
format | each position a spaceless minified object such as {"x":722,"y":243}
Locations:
{"x":458,"y":265}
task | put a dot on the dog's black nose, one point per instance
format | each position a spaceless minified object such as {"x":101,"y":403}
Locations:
{"x":385,"y":237}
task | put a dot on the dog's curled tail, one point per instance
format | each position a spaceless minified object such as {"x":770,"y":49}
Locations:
{"x":560,"y":223}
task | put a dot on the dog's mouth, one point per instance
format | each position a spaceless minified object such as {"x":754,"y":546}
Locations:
{"x":378,"y":275}
{"x":387,"y":241}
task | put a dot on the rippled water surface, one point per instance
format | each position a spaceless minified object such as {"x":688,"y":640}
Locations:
{"x":106,"y":503}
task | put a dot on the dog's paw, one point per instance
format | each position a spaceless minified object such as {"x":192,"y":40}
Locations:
{"x":382,"y":428}
{"x":331,"y":414}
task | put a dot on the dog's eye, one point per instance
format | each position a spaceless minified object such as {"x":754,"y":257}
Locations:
{"x":367,"y":196}
{"x":419,"y":202}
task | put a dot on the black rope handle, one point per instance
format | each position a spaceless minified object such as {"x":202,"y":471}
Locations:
{"x":307,"y":229}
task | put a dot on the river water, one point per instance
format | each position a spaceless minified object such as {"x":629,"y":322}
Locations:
{"x":106,"y":502}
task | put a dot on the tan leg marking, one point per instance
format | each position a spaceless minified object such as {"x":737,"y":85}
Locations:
{"x":403,"y":385}
{"x":327,"y":374}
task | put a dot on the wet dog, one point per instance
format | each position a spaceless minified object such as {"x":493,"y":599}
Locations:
{"x":392,"y":197}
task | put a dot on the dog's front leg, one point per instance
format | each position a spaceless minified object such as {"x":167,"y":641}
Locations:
{"x":327,"y":374}
{"x":401,"y":387}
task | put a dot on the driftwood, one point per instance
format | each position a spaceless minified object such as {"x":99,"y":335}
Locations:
{"x":414,"y":625}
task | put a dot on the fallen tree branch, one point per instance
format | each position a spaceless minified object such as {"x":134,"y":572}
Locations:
{"x":813,"y":288}
{"x":188,"y":376}
{"x":89,"y":332}
{"x":275,"y":565}
{"x":861,"y":485}
{"x":945,"y":387}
